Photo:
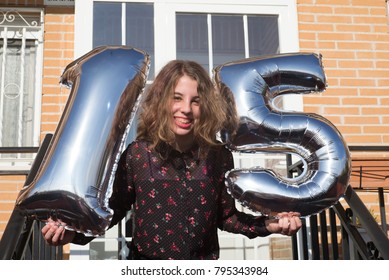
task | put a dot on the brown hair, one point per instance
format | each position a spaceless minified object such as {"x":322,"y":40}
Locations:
{"x":154,"y":122}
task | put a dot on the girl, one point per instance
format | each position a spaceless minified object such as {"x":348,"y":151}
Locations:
{"x":172,"y":175}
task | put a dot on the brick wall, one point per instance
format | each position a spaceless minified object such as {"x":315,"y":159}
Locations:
{"x":9,"y":188}
{"x":58,"y":53}
{"x":280,"y":248}
{"x":352,"y":36}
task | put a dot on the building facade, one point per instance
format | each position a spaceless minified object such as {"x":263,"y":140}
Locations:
{"x":40,"y":38}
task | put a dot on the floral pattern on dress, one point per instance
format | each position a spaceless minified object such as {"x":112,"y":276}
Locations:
{"x":178,"y":203}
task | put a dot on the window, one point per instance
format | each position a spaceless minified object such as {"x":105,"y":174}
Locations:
{"x":20,"y":78}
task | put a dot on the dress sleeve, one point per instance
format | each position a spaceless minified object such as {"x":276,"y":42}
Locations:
{"x":231,"y":219}
{"x":122,"y":195}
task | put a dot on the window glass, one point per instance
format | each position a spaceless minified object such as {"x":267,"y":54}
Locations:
{"x":107,"y":27}
{"x":138,"y":29}
{"x":192,"y":38}
{"x":263,"y":35}
{"x":18,"y":97}
{"x":227,"y":38}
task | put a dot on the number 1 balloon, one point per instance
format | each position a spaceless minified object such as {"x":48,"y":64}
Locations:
{"x":74,"y":181}
{"x":250,"y":87}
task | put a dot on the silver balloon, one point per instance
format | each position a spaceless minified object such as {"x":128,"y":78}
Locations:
{"x":250,"y":87}
{"x":74,"y":181}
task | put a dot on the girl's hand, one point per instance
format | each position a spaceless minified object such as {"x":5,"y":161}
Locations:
{"x":286,"y":223}
{"x":55,"y":234}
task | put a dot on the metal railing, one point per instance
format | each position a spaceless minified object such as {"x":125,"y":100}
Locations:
{"x":22,"y":238}
{"x":326,"y":238}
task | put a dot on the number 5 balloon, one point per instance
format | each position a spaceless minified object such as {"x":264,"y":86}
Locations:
{"x":74,"y":181}
{"x":250,"y":86}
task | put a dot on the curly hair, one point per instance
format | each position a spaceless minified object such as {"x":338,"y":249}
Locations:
{"x":154,"y":122}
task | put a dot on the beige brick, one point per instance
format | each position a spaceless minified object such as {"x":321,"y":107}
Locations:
{"x":358,"y":139}
{"x":359,"y":101}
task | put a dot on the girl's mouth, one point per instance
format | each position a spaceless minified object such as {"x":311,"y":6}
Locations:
{"x":183,"y":123}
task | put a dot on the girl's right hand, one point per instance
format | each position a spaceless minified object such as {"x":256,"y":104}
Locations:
{"x":55,"y":234}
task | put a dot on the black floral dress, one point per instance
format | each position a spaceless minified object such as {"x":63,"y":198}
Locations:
{"x":178,"y":203}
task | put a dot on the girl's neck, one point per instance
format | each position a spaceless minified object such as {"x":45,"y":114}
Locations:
{"x":183,"y":144}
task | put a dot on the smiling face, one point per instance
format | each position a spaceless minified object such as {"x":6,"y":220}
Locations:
{"x":185,"y":111}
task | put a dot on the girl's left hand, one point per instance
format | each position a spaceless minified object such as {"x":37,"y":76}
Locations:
{"x":286,"y":223}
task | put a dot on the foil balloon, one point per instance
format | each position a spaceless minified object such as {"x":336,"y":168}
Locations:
{"x":250,"y":86}
{"x":74,"y":181}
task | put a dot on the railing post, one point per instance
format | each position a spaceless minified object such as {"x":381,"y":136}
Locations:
{"x":382,"y":210}
{"x":334,"y":234}
{"x":323,"y":233}
{"x":314,"y":237}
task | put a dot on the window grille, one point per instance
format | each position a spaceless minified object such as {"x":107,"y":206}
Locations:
{"x":21,"y":44}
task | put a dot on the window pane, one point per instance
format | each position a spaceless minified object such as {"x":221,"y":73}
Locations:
{"x":263,"y":35}
{"x":192,"y":38}
{"x":28,"y":121}
{"x":18,"y":96}
{"x":107,"y":28}
{"x":140,"y":29}
{"x":227,"y":38}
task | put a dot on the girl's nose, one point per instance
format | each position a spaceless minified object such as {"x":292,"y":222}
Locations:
{"x":186,"y":107}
